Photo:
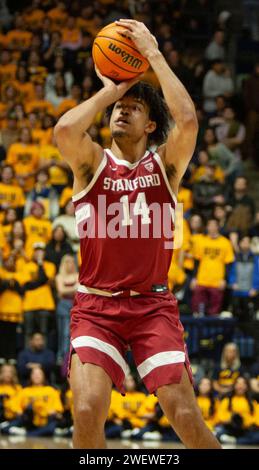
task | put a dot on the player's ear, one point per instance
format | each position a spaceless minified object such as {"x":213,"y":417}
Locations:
{"x":150,"y":127}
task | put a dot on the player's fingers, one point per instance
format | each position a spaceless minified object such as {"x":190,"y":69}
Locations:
{"x":127,"y":20}
{"x":126,"y":33}
{"x":133,"y":81}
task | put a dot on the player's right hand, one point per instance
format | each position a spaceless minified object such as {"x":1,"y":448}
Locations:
{"x":116,"y":90}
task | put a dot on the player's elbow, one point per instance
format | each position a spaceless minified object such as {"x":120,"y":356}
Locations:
{"x":190,"y":122}
{"x":62,"y":132}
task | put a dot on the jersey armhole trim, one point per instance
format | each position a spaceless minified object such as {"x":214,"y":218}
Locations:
{"x":162,"y":168}
{"x":99,"y":170}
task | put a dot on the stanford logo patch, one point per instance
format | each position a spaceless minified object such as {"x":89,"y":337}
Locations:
{"x":149,"y":166}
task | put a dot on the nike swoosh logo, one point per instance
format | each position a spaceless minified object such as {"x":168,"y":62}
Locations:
{"x":113,"y":169}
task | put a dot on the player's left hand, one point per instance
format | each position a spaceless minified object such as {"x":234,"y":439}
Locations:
{"x":145,"y":42}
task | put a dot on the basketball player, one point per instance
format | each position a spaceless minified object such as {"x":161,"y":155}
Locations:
{"x":122,"y":300}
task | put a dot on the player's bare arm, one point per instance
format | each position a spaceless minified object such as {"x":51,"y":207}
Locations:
{"x":74,"y":142}
{"x":178,"y":150}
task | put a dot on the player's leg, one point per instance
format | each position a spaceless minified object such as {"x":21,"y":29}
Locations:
{"x":179,"y":405}
{"x":91,"y":387}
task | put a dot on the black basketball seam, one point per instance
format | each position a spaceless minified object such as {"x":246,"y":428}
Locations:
{"x":125,"y":70}
{"x":125,"y":44}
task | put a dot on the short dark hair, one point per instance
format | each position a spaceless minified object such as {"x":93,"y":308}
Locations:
{"x":158,"y":110}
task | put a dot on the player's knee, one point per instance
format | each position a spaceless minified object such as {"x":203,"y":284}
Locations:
{"x":185,"y":415}
{"x":89,"y":411}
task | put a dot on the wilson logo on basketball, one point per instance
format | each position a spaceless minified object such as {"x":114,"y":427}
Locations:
{"x":126,"y":57}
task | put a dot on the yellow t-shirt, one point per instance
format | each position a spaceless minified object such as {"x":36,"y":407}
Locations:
{"x":7,"y":72}
{"x":129,"y":406}
{"x":200,"y":171}
{"x":37,"y":230}
{"x":57,"y":175}
{"x":214,"y":254}
{"x":34,"y":19}
{"x":40,"y":298}
{"x":11,"y":391}
{"x":40,"y":105}
{"x":38,"y":136}
{"x":193,"y":244}
{"x":240,"y":406}
{"x":58,"y":17}
{"x":69,"y":403}
{"x":25,"y":159}
{"x":66,"y":195}
{"x":45,"y":401}
{"x":115,"y":406}
{"x":148,"y":407}
{"x":176,"y":275}
{"x":204,"y":403}
{"x":71,"y":36}
{"x":26,"y":90}
{"x":12,"y":195}
{"x":11,"y":302}
{"x":17,"y":39}
{"x":64,"y":106}
{"x":184,"y":196}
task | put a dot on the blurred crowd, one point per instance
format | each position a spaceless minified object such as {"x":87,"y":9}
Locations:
{"x":227,"y":396}
{"x":46,"y":68}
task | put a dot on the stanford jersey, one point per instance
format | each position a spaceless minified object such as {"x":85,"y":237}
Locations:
{"x":125,"y":223}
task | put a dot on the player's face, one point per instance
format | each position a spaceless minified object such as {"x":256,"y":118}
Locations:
{"x":130,"y":118}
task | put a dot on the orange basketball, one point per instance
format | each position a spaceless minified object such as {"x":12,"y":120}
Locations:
{"x":116,"y":56}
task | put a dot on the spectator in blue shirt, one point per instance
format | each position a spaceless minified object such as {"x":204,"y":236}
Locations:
{"x":243,"y":278}
{"x":35,"y":356}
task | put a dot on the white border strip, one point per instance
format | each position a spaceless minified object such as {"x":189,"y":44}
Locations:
{"x":92,"y":342}
{"x":119,"y":161}
{"x":160,"y":359}
{"x":162,"y":168}
{"x":100,"y":168}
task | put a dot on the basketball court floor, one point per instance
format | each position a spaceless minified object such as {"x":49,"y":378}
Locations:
{"x":20,"y":442}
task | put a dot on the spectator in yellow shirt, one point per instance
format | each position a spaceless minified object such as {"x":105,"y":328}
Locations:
{"x":34,"y":16}
{"x":200,"y":170}
{"x":156,"y":425}
{"x":24,"y":157}
{"x":23,"y":85}
{"x":207,"y":402}
{"x":39,"y":407}
{"x":39,"y":104}
{"x":18,"y":38}
{"x":9,"y":134}
{"x":44,"y":193}
{"x":15,"y":244}
{"x":38,"y":302}
{"x":58,"y":15}
{"x":184,"y":196}
{"x":11,"y":309}
{"x":9,"y":388}
{"x":7,"y":68}
{"x":229,"y":369}
{"x":51,"y":160}
{"x":213,"y":253}
{"x":37,"y":228}
{"x":70,"y":102}
{"x":238,"y":415}
{"x":11,"y":195}
{"x":71,"y":35}
{"x":126,"y":410}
